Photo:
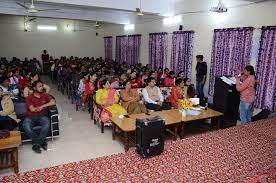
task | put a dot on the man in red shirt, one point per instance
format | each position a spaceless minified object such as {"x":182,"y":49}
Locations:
{"x":37,"y":105}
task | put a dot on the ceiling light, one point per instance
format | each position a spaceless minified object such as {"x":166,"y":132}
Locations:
{"x":46,"y":27}
{"x":129,"y":27}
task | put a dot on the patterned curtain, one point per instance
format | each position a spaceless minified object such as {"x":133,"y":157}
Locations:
{"x":108,"y":47}
{"x":266,"y":70}
{"x":133,"y":50}
{"x":121,"y":48}
{"x":158,"y":47}
{"x":182,"y":52}
{"x":231,"y":49}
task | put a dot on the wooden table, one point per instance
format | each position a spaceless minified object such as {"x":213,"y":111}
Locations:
{"x":9,"y":151}
{"x":172,"y":118}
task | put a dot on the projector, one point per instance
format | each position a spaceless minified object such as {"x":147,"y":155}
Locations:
{"x":219,"y":9}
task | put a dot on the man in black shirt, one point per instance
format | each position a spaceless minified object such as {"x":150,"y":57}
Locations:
{"x":201,"y":72}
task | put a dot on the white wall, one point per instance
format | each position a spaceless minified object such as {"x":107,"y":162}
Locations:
{"x":203,"y":24}
{"x":63,"y":42}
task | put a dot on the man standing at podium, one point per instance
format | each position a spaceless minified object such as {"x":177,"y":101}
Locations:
{"x":201,"y":72}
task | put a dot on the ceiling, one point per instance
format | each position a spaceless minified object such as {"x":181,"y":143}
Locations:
{"x":114,"y":11}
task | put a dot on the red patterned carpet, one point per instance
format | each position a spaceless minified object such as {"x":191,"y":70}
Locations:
{"x":239,"y":154}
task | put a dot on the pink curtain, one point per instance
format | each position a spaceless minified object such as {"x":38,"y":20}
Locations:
{"x":231,"y":48}
{"x":182,"y":52}
{"x":158,"y":48}
{"x":121,"y":48}
{"x":266,"y":70}
{"x":108,"y":47}
{"x":133,"y":49}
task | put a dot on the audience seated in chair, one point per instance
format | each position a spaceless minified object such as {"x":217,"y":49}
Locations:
{"x":135,"y":81}
{"x":123,"y":79}
{"x":8,"y":119}
{"x":91,"y":86}
{"x":115,"y":82}
{"x":153,"y":97}
{"x":14,"y":79}
{"x":81,"y":97}
{"x":180,"y":75}
{"x":178,"y":93}
{"x":37,"y":112}
{"x":108,"y":99}
{"x":3,"y":70}
{"x":189,"y":89}
{"x":131,"y":100}
{"x":28,"y":90}
{"x":169,"y":79}
{"x":6,"y":89}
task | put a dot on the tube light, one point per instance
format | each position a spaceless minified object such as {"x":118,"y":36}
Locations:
{"x":46,"y":27}
{"x":129,"y":27}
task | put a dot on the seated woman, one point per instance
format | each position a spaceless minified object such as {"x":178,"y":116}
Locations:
{"x":180,"y":75}
{"x":6,"y":89}
{"x":28,"y":89}
{"x":177,"y":93}
{"x":189,"y":89}
{"x":135,"y":81}
{"x":169,"y":79}
{"x":81,"y":97}
{"x":14,"y":79}
{"x":108,"y":99}
{"x":131,"y":100}
{"x":90,"y":86}
{"x":123,"y":79}
{"x":7,"y":115}
{"x":115,"y":82}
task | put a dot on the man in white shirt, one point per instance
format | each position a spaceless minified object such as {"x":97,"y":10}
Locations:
{"x":153,"y":97}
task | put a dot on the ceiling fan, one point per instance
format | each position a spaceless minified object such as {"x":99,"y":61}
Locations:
{"x":139,"y":11}
{"x":97,"y":24}
{"x":26,"y":21}
{"x":32,"y":8}
{"x":29,"y":19}
{"x":221,"y":8}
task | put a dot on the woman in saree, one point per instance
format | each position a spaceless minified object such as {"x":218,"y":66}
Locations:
{"x":177,"y":93}
{"x":108,"y":99}
{"x":131,"y":100}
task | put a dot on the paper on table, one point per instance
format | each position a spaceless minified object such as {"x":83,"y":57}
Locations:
{"x":226,"y":80}
{"x":195,"y":100}
{"x":197,"y":108}
{"x":233,"y":79}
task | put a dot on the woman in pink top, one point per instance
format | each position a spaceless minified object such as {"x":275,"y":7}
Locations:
{"x":247,"y":93}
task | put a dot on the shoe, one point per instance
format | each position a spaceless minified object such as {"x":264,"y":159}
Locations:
{"x":44,"y":146}
{"x":36,"y":148}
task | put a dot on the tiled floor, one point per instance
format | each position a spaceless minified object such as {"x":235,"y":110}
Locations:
{"x":79,"y":140}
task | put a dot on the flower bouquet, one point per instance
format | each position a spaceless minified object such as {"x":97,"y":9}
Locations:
{"x":186,"y":106}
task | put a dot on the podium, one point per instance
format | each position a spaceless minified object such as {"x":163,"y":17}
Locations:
{"x":227,"y":101}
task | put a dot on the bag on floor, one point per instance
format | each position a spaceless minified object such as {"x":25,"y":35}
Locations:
{"x":261,"y":115}
{"x":150,"y":136}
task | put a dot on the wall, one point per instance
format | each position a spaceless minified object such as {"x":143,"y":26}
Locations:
{"x":203,"y":24}
{"x":63,"y":42}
